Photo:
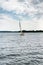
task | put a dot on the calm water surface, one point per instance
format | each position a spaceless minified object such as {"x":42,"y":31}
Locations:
{"x":21,"y":50}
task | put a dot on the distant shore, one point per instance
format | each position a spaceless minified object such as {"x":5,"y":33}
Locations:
{"x":24,"y":31}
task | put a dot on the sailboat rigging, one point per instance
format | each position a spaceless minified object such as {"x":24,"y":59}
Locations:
{"x":21,"y":33}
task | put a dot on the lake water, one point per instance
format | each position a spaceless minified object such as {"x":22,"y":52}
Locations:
{"x":21,"y":50}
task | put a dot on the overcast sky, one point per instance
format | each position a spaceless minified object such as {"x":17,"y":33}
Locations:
{"x":29,"y":12}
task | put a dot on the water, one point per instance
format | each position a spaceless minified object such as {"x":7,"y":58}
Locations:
{"x":21,"y":50}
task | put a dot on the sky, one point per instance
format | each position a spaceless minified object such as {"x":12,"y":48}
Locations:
{"x":29,"y":12}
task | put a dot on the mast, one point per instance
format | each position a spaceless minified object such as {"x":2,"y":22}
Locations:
{"x":20,"y":29}
{"x":20,"y":26}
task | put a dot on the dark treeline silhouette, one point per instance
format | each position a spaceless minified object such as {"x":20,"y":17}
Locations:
{"x":32,"y":31}
{"x":22,"y":31}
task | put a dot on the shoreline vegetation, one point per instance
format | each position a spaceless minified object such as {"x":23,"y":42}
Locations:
{"x":24,"y":31}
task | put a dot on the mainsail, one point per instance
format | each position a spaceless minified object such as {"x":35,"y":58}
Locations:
{"x":20,"y":28}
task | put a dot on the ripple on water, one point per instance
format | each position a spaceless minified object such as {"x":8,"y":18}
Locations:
{"x":32,"y":62}
{"x":25,"y":50}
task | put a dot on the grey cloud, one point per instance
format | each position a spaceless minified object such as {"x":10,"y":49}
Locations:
{"x":7,"y":0}
{"x":35,"y":2}
{"x":41,"y":0}
{"x":38,"y":15}
{"x":21,"y":0}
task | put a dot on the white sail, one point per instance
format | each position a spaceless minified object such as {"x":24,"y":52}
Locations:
{"x":20,"y":28}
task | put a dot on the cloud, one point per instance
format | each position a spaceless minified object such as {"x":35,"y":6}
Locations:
{"x":30,"y":11}
{"x":35,"y":2}
{"x":23,"y":6}
{"x":21,"y":0}
{"x":41,"y":0}
{"x":14,"y":14}
{"x":11,"y":5}
{"x":7,"y":23}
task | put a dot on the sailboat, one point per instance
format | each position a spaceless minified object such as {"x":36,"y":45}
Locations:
{"x":21,"y":33}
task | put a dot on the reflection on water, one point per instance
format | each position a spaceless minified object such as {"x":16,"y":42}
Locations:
{"x":21,"y":50}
